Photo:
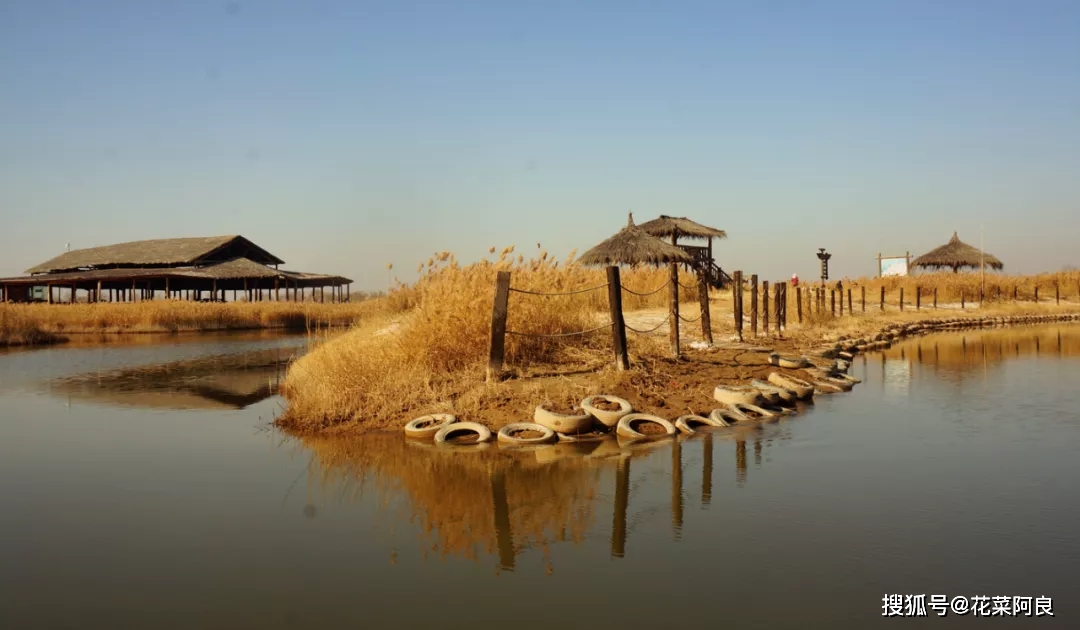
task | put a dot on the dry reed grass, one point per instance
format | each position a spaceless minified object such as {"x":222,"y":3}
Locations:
{"x":41,"y":323}
{"x":442,"y":341}
{"x":950,"y":285}
{"x":456,"y":498}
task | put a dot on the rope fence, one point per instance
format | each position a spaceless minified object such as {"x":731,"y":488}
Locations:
{"x":574,"y":292}
{"x":653,"y":329}
{"x":569,"y":334}
{"x":689,"y":320}
{"x":656,"y":290}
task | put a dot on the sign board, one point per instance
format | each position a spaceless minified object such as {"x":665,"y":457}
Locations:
{"x":895,"y":266}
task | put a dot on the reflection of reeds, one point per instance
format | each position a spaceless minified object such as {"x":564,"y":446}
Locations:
{"x":492,"y":501}
{"x":973,"y":350}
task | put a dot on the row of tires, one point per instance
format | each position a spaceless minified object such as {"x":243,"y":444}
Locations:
{"x":760,"y":400}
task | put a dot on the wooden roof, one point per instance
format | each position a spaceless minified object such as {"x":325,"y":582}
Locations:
{"x":158,"y":252}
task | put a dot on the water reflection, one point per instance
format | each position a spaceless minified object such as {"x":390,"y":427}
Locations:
{"x":230,"y":381}
{"x":976,"y":351}
{"x":501,"y":501}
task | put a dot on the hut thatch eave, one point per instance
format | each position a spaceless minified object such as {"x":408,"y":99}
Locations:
{"x":955,"y":255}
{"x":680,"y":227}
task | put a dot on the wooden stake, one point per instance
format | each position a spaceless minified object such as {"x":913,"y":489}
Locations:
{"x":754,"y":304}
{"x":615,"y":311}
{"x":765,"y":306}
{"x":963,"y":299}
{"x":798,"y":303}
{"x":850,"y":309}
{"x":883,"y":297}
{"x":832,"y":301}
{"x":935,"y":297}
{"x":703,"y":299}
{"x":901,"y":298}
{"x":673,"y":309}
{"x":736,"y":291}
{"x":841,"y":302}
{"x":498,"y":326}
{"x":918,"y":297}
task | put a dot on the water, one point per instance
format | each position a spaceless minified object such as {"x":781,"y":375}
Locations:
{"x":951,"y":470}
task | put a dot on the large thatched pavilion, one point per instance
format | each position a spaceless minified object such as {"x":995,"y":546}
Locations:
{"x":204,"y":268}
{"x":956,"y":255}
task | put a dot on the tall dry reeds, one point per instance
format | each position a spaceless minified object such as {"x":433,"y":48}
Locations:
{"x":952,"y":286}
{"x":442,"y":340}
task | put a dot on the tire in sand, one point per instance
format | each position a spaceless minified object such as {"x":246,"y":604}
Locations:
{"x":822,"y":387}
{"x":803,"y":389}
{"x":794,"y":363}
{"x":822,"y":376}
{"x":603,"y":416}
{"x":731,"y":394}
{"x":568,"y":423}
{"x":513,"y":434}
{"x":753,"y":412}
{"x":425,"y":427}
{"x":689,"y":424}
{"x":783,"y":394}
{"x":631,"y":426}
{"x":446,"y":434}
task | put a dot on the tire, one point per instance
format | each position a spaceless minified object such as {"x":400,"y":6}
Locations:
{"x":783,"y":394}
{"x":562,"y":422}
{"x":745,"y":410}
{"x":792,"y":363}
{"x":821,"y":387}
{"x":803,"y":390}
{"x":823,"y":376}
{"x":847,"y":377}
{"x":592,"y":436}
{"x":686,"y":424}
{"x":730,"y":394}
{"x":506,"y":434}
{"x":607,"y":418}
{"x":727,"y":417}
{"x":626,"y":430}
{"x":483,"y":433}
{"x":425,"y":427}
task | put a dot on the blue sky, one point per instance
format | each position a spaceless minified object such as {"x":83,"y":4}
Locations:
{"x":346,"y":135}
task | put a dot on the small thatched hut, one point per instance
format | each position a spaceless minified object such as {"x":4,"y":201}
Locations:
{"x":956,"y":254}
{"x":673,"y":228}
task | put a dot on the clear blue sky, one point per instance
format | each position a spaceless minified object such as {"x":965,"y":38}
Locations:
{"x":345,"y":135}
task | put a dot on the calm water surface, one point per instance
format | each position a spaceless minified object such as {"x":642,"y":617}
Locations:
{"x":142,"y":487}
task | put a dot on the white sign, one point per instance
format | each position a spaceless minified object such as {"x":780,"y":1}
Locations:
{"x":894,"y":266}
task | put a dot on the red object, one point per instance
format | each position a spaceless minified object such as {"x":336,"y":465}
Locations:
{"x":794,"y":279}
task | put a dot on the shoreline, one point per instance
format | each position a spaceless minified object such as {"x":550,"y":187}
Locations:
{"x":667,"y":387}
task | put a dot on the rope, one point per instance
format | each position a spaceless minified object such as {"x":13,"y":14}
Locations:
{"x":601,"y":286}
{"x":657,"y":290}
{"x":688,"y":287}
{"x":645,"y":332}
{"x":570,"y":334}
{"x":690,"y":321}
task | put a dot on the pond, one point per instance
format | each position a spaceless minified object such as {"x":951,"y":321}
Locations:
{"x":143,"y":487}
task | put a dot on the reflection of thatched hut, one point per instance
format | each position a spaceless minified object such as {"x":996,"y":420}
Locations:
{"x":956,"y":254}
{"x":974,"y":351}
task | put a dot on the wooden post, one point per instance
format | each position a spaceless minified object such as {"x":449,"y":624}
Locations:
{"x":1036,"y":293}
{"x":618,"y":328}
{"x":97,"y":294}
{"x":783,"y":308}
{"x":778,"y":310}
{"x":850,"y":308}
{"x":703,"y":299}
{"x":673,"y":308}
{"x":765,"y":306}
{"x":736,"y":292}
{"x":133,"y":287}
{"x":918,"y":298}
{"x":832,"y":301}
{"x":841,"y":302}
{"x":963,"y":299}
{"x":863,"y":291}
{"x":498,"y":326}
{"x":901,"y":298}
{"x":798,"y":303}
{"x":348,"y":287}
{"x":882,"y":297}
{"x":754,"y":304}
{"x":1014,"y":292}
{"x":1057,"y":293}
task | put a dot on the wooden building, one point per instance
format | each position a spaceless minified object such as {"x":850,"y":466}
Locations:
{"x":217,"y":268}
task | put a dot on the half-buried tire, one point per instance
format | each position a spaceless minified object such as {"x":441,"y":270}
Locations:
{"x":689,"y":424}
{"x":562,"y":422}
{"x":643,"y":426}
{"x":607,"y":417}
{"x":450,"y":434}
{"x":425,"y":427}
{"x":525,"y":434}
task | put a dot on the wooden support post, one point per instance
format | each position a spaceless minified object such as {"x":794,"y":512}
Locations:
{"x":882,"y":297}
{"x":777,"y":310}
{"x":618,"y":325}
{"x":97,"y":293}
{"x":863,"y":290}
{"x":754,"y":304}
{"x":783,"y":305}
{"x":673,"y":309}
{"x":963,"y":299}
{"x":348,"y":287}
{"x":850,"y":308}
{"x":1036,"y":293}
{"x":901,"y":298}
{"x":133,"y":288}
{"x":918,"y":298}
{"x":1014,"y":292}
{"x":765,"y":306}
{"x":935,"y":297}
{"x":736,"y":292}
{"x":213,"y":294}
{"x":798,"y":303}
{"x":498,"y":326}
{"x":1057,"y":293}
{"x":841,"y":302}
{"x":247,"y":293}
{"x":832,"y":301}
{"x":703,"y":300}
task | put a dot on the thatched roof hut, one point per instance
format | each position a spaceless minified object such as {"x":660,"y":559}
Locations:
{"x":667,"y":227}
{"x":162,"y":252}
{"x":956,"y":254}
{"x":633,"y":246}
